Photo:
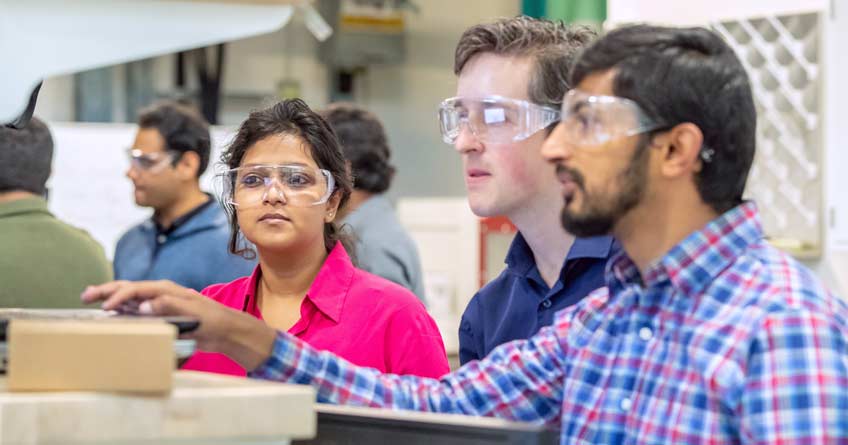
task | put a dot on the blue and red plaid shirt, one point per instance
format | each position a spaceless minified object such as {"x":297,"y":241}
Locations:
{"x":724,"y":340}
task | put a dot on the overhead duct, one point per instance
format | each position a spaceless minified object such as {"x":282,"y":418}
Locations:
{"x":53,"y":37}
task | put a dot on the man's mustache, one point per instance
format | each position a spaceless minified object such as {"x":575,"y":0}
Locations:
{"x":565,"y":174}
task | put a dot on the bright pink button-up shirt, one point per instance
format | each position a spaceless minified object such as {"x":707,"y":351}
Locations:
{"x":361,"y":317}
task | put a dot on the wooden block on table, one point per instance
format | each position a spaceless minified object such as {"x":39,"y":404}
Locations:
{"x":94,"y":355}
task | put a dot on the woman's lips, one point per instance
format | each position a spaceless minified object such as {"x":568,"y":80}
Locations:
{"x":274,"y":217}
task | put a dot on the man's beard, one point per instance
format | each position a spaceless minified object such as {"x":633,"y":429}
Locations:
{"x":599,"y":217}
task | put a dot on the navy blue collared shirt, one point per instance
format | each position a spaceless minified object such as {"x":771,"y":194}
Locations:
{"x":517,"y":303}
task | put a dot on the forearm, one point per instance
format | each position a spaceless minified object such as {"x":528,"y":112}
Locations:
{"x":249,"y":341}
{"x":471,"y":390}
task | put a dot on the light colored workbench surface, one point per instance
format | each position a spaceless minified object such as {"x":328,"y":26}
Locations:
{"x":202,"y":408}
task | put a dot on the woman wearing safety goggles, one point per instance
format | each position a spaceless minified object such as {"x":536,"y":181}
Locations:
{"x":284,"y":181}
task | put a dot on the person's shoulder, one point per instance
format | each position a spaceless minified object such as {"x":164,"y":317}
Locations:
{"x":81,"y":242}
{"x":377,"y":236}
{"x":76,"y":236}
{"x":213,"y":217}
{"x":229,"y":294}
{"x":366,"y":285}
{"x":139,"y":229}
{"x":774,"y":282}
{"x":210,"y":228}
{"x":496,"y":289}
{"x":772,"y":299}
{"x":487,"y":300}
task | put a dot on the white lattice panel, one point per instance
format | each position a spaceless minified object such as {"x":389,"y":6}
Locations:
{"x":781,"y":55}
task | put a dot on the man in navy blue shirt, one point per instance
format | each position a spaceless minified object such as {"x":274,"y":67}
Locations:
{"x":512,"y":75}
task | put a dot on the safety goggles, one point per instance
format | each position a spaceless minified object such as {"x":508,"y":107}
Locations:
{"x":493,"y":119}
{"x":149,"y":162}
{"x":594,"y":120}
{"x":294,"y":184}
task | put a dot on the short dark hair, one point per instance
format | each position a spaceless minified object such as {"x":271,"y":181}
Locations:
{"x":292,"y":117}
{"x":365,"y":146}
{"x":682,"y":75}
{"x":182,"y":127}
{"x":553,"y":45}
{"x":25,"y":157}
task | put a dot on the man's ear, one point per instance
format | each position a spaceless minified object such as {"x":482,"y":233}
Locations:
{"x":188,"y":165}
{"x":681,"y":150}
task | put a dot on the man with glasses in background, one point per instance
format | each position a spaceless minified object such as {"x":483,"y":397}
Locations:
{"x":186,"y":238}
{"x":511,"y":80}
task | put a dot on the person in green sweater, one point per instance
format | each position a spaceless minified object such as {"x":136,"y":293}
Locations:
{"x":44,"y":262}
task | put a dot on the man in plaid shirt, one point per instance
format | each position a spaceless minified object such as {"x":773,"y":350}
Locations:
{"x":704,"y":334}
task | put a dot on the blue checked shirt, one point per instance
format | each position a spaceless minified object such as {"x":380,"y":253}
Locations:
{"x":724,"y":340}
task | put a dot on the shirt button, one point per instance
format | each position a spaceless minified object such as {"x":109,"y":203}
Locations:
{"x":625,"y":404}
{"x":546,"y":304}
{"x":645,"y":333}
{"x":161,"y":239}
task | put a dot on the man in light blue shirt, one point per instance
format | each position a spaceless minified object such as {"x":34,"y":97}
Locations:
{"x":185,"y":240}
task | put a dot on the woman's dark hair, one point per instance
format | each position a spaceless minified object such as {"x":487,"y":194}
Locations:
{"x":291,"y":117}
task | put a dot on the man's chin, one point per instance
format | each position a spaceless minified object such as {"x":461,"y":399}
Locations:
{"x":584,"y":226}
{"x":141,"y":200}
{"x":481,"y":208}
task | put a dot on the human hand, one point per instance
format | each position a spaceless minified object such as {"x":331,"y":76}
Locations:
{"x":242,"y":337}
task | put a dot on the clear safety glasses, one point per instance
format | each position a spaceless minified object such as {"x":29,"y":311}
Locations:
{"x":594,"y":120}
{"x":493,"y":119}
{"x":297,"y":185}
{"x":149,"y":162}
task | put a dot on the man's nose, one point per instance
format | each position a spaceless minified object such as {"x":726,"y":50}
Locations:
{"x":467,"y":141}
{"x":556,"y":147}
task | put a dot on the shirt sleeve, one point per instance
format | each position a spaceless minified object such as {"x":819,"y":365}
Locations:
{"x":470,"y":333}
{"x":795,"y":385}
{"x":520,"y":380}
{"x":414,"y":345}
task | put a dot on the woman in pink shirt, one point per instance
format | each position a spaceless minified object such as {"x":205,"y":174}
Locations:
{"x":286,"y":180}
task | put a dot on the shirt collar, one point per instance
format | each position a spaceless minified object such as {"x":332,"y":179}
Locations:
{"x":330,"y":287}
{"x":520,"y":258}
{"x":697,"y":260}
{"x":25,"y":205}
{"x":184,"y":218}
{"x":328,"y":290}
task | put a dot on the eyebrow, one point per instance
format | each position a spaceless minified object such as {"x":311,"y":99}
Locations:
{"x":265,"y":164}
